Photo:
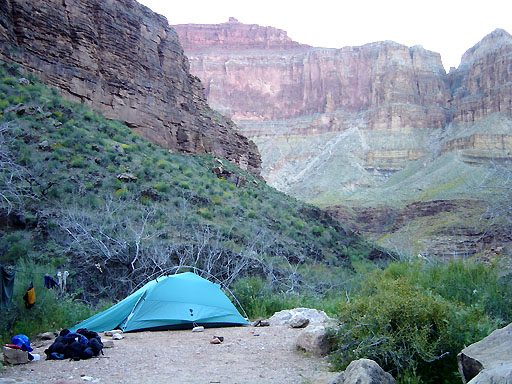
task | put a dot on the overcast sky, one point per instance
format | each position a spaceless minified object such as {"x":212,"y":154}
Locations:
{"x":449,"y":27}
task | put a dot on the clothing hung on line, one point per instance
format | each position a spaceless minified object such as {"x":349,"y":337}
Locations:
{"x":49,"y":282}
{"x":7,"y":281}
{"x":30,"y":296}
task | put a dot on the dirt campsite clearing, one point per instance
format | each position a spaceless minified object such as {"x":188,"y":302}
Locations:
{"x":247,"y":355}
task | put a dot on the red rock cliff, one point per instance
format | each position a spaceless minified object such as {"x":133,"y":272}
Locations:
{"x":126,"y":61}
{"x":482,"y":84}
{"x":349,"y":116}
{"x":255,"y":80}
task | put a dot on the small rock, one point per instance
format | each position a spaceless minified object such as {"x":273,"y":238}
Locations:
{"x":364,"y":371}
{"x":86,"y":378}
{"x":112,"y":332}
{"x":108,"y":344}
{"x":261,"y":323}
{"x":46,"y":336}
{"x":15,"y":356}
{"x":198,"y":329}
{"x":314,"y":339}
{"x":45,"y":146}
{"x":23,"y":81}
{"x":119,"y":150}
{"x":218,"y":171}
{"x":221,"y":338}
{"x":117,"y":336}
{"x":19,"y":109}
{"x":256,"y":323}
{"x":314,"y":316}
{"x":298,"y":320}
{"x":487,"y":360}
{"x":127,"y":177}
{"x":215,"y":340}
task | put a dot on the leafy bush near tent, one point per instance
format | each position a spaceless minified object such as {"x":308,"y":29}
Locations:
{"x":259,"y":300}
{"x":413,"y":319}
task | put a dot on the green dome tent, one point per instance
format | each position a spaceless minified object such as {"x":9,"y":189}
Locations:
{"x":169,"y":302}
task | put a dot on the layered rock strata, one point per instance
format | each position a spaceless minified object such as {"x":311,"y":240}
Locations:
{"x":481,"y":85}
{"x":344,"y":119}
{"x":122,"y":59}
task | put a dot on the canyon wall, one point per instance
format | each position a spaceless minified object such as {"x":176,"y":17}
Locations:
{"x":379,"y":133}
{"x":332,"y":121}
{"x":122,"y":59}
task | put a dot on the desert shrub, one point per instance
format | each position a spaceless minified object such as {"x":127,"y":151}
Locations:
{"x":77,"y":162}
{"x":206,"y":213}
{"x":216,"y":200}
{"x":469,"y":283}
{"x":122,"y":193}
{"x":403,"y":325}
{"x":317,"y":230}
{"x":162,"y":186}
{"x":227,"y":211}
{"x":259,"y":300}
{"x":15,"y":246}
{"x":162,"y":164}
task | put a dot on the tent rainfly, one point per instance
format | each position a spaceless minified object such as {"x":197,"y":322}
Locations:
{"x":168,"y":302}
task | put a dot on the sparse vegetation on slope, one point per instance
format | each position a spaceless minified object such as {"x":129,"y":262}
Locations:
{"x":82,"y":193}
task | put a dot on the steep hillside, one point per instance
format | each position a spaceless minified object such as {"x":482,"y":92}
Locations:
{"x":84,"y":193}
{"x":120,"y":58}
{"x":379,"y":127}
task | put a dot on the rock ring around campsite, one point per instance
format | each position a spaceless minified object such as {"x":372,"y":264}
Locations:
{"x":183,"y":356}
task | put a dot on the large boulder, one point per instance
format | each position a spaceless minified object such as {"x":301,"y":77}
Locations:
{"x":489,"y":360}
{"x":364,"y":371}
{"x":314,"y":339}
{"x":314,"y":316}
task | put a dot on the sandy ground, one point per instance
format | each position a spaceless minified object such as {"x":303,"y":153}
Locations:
{"x":247,"y":355}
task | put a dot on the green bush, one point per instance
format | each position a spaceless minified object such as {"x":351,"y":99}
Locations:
{"x":162,"y":186}
{"x":77,"y":162}
{"x":15,"y":246}
{"x":317,"y":230}
{"x":122,"y":193}
{"x":403,"y":325}
{"x":206,"y":213}
{"x":259,"y":300}
{"x":162,"y":164}
{"x":469,"y":283}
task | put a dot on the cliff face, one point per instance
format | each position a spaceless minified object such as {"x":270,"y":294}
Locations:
{"x":482,"y":83}
{"x":253,"y":82}
{"x":126,"y":61}
{"x":331,"y":121}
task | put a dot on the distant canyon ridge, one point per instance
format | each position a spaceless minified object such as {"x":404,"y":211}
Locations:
{"x":378,"y":134}
{"x":329,"y":122}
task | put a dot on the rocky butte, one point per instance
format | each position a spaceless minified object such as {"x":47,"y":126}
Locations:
{"x":338,"y":125}
{"x":122,"y":59}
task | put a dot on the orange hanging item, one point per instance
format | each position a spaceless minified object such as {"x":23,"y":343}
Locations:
{"x":30,"y":296}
